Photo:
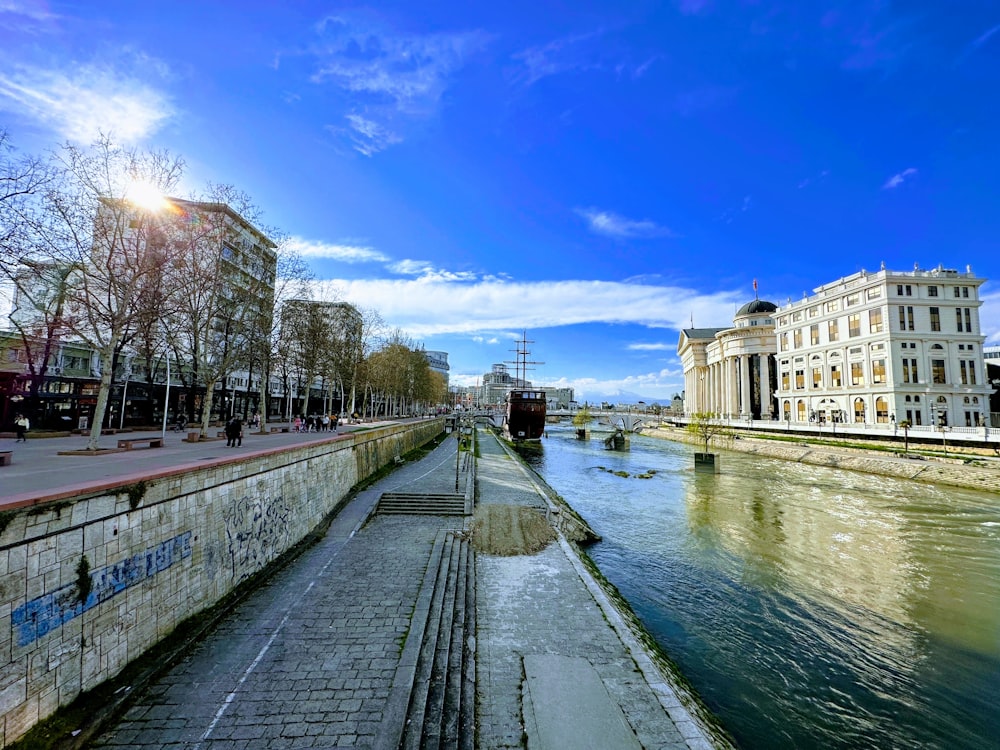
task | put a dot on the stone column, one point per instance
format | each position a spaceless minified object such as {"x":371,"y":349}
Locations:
{"x":765,"y":386}
{"x":744,"y":385}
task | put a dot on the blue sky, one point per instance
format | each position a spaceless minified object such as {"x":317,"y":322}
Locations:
{"x":597,"y":173}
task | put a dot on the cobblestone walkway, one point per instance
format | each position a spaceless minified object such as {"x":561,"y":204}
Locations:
{"x":307,"y":661}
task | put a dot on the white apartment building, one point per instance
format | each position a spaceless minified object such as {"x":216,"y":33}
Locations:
{"x":878,"y":348}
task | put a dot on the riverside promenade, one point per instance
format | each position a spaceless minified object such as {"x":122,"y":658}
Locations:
{"x":312,"y":657}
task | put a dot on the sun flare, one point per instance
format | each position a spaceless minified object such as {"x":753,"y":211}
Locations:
{"x":145,"y":195}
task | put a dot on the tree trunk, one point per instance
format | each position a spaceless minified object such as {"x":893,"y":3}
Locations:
{"x":107,"y":357}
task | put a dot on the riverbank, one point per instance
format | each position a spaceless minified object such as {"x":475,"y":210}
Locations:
{"x":978,"y":473}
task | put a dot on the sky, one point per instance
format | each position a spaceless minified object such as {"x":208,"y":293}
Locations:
{"x":593,"y":175}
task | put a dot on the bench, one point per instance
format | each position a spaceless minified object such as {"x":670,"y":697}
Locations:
{"x":150,"y":442}
{"x":6,"y":457}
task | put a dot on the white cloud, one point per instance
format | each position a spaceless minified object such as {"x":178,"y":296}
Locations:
{"x":345,"y":253}
{"x":90,"y":100}
{"x":440,"y":303}
{"x":652,"y":347}
{"x":612,"y":225}
{"x":571,"y":53}
{"x":410,"y":70}
{"x":387,"y":75}
{"x":426,"y":271}
{"x":898,"y":179}
{"x":368,"y":136}
{"x":989,"y":315}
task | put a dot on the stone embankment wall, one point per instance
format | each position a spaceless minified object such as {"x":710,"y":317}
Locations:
{"x":955,"y":472}
{"x":90,"y":583}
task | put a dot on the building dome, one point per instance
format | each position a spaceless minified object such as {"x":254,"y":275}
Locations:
{"x":756,"y":307}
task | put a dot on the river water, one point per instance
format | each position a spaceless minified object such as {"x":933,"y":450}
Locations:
{"x":809,"y":607}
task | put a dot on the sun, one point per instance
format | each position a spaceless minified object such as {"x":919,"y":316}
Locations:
{"x":145,"y":195}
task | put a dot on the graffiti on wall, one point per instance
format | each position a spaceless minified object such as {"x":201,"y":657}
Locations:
{"x":257,"y":530}
{"x":44,"y":614}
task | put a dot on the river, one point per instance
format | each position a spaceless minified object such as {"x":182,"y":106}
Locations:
{"x":809,"y":607}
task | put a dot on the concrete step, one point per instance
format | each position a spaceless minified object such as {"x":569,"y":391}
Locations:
{"x":434,"y":711}
{"x":467,"y":714}
{"x":415,"y":717}
{"x":408,"y":503}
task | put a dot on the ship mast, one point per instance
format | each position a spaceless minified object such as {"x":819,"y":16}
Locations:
{"x":521,"y":363}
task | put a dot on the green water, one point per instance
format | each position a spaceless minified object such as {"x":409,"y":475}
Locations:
{"x":809,"y":607}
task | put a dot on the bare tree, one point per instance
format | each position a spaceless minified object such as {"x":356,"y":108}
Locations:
{"x":88,"y":223}
{"x":22,"y":178}
{"x":224,"y":274}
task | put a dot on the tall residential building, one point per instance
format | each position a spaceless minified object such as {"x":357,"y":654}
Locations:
{"x":731,"y":371}
{"x":883,"y":347}
{"x":438,"y":362}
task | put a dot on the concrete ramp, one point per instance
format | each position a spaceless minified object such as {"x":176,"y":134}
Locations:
{"x":567,"y":706}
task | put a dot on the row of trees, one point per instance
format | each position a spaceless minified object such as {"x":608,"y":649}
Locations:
{"x":97,"y":255}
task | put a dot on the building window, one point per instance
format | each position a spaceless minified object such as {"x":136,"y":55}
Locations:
{"x":800,"y":407}
{"x":881,"y":410}
{"x":857,"y":373}
{"x":784,"y":380}
{"x":817,"y":377}
{"x":854,"y":325}
{"x":906,"y":318}
{"x":904,"y":291}
{"x":875,"y":321}
{"x":910,"y":371}
{"x":937,"y":372}
{"x":875,"y":293}
{"x":859,"y":410}
{"x":786,"y":409}
{"x":968,"y":320}
{"x":814,"y":335}
{"x":961,"y":291}
{"x":935,"y":319}
{"x":832,"y":306}
{"x":932,"y":291}
{"x":800,"y":379}
{"x":797,"y":338}
{"x":835,"y":380}
{"x":814,"y":311}
{"x":853,"y":299}
{"x":797,"y":316}
{"x":832,"y":330}
{"x":967,"y":370}
{"x":878,"y":371}
{"x":784,"y":342}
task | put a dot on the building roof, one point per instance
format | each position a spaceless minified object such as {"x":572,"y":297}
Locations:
{"x":757,"y":306}
{"x":702,"y":333}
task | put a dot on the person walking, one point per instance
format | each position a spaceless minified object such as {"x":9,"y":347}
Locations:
{"x":21,"y":425}
{"x":237,"y":432}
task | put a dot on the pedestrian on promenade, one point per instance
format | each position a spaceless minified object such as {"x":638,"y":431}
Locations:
{"x":297,"y":424}
{"x":336,"y":421}
{"x":21,"y":425}
{"x":326,"y":422}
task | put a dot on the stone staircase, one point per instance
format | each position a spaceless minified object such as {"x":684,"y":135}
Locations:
{"x":432,"y":704}
{"x":422,"y":503}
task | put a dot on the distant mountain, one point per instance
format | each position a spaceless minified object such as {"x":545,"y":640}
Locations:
{"x":620,"y":397}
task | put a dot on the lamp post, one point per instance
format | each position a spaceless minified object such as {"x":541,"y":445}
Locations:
{"x":166,"y":400}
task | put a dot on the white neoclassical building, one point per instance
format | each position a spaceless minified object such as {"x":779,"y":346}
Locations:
{"x":731,"y":372}
{"x":882,"y":347}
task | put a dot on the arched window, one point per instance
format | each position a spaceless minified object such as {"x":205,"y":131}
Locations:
{"x":786,"y":409}
{"x":881,"y":410}
{"x":859,"y":410}
{"x":800,"y":408}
